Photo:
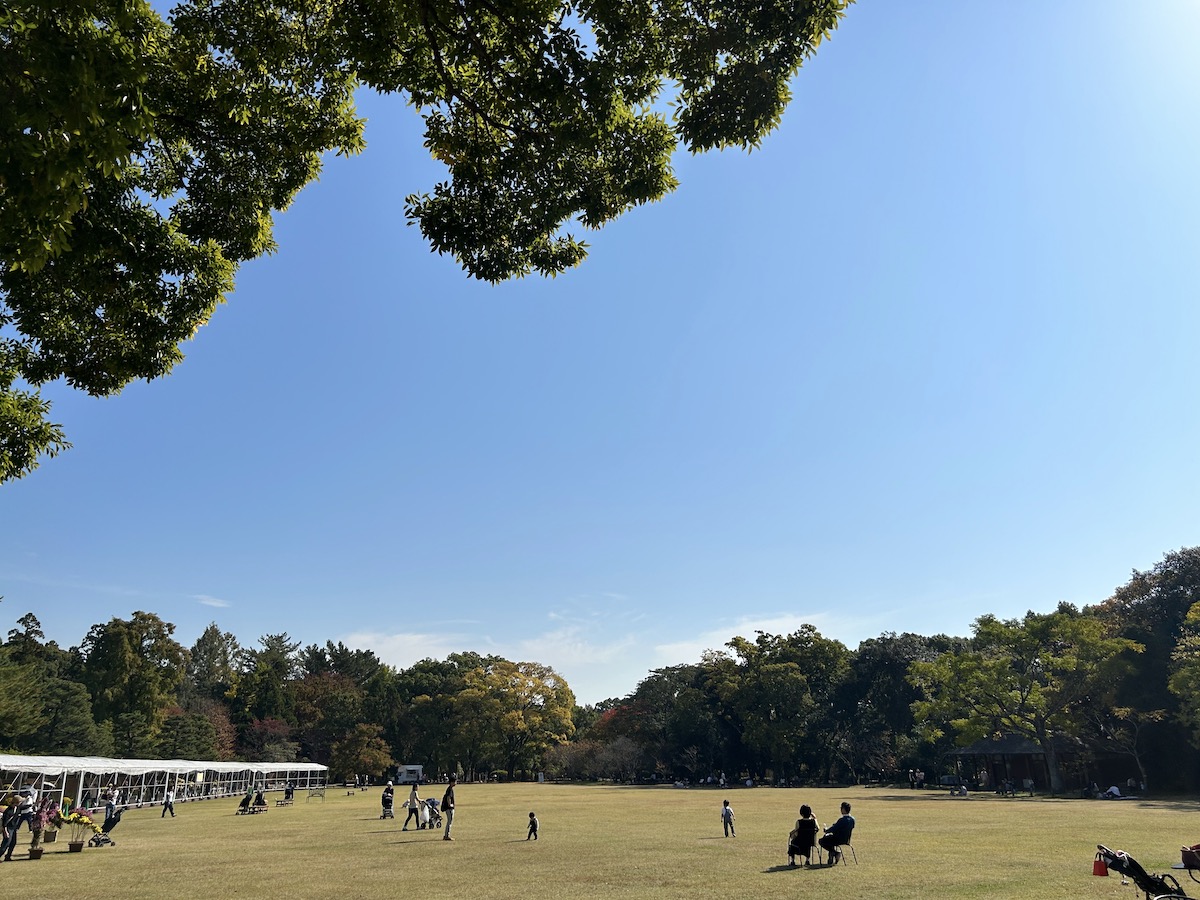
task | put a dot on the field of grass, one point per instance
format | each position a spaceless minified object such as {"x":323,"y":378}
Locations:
{"x":620,"y":842}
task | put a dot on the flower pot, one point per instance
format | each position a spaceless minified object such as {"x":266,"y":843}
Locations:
{"x":35,"y":852}
{"x":49,"y":837}
{"x":75,"y":846}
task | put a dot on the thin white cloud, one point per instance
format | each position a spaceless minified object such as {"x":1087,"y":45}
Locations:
{"x":405,"y":648}
{"x":595,"y":649}
{"x":569,"y":645}
{"x":577,"y":651}
{"x":837,"y":625}
{"x":77,"y":584}
{"x":212,"y":601}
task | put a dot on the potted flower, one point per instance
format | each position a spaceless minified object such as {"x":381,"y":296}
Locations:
{"x":58,"y":819}
{"x":80,"y":826}
{"x":44,"y":825}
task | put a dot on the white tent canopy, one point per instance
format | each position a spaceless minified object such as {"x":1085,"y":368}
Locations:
{"x":140,"y":781}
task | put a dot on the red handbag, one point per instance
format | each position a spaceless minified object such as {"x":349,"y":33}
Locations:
{"x":1099,"y":866}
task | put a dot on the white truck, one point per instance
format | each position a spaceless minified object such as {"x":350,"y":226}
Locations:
{"x":410,"y":774}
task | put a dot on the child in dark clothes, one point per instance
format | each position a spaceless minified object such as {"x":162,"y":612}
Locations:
{"x":533,"y":827}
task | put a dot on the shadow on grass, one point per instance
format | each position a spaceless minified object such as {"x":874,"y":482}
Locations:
{"x":785,"y":867}
{"x":1178,"y":804}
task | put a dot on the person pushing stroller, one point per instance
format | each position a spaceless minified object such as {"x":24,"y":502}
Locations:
{"x":386,"y":800}
{"x":414,"y":808}
{"x":112,"y":818}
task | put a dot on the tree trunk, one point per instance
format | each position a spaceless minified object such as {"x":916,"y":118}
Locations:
{"x":1052,"y":765}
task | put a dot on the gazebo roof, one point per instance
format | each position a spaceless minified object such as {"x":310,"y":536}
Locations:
{"x":1014,"y":745}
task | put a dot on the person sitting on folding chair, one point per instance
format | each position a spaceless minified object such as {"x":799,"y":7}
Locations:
{"x":837,"y":835}
{"x":803,"y":838}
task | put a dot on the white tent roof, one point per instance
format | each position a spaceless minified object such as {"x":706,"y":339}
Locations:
{"x":58,"y":765}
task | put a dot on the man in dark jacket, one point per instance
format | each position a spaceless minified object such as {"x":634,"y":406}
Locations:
{"x":448,"y":807}
{"x":9,"y":822}
{"x":838,"y":834}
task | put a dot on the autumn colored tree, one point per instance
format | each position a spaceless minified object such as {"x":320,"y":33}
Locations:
{"x":531,"y":705}
{"x":361,"y":751}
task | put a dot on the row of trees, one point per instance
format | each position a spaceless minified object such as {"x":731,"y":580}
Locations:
{"x":1114,"y":687}
{"x":148,"y":696}
{"x":1117,"y":683}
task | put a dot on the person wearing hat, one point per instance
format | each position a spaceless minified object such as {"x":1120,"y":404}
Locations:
{"x":387,"y":799}
{"x":448,"y":806}
{"x":26,"y":803}
{"x":8,"y":829}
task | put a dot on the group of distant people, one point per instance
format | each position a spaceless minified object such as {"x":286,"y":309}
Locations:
{"x":426,"y":813}
{"x":807,"y":835}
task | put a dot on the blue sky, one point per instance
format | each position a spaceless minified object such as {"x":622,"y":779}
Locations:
{"x":929,"y":353}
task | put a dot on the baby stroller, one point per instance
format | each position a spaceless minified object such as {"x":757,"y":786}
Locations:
{"x":1155,"y":887}
{"x":102,"y":839}
{"x":434,"y":813}
{"x":386,"y":803}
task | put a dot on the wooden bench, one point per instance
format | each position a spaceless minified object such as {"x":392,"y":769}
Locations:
{"x":284,"y":802}
{"x":318,"y":793}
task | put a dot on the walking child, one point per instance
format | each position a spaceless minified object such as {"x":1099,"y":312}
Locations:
{"x":533,"y":827}
{"x":727,"y":818}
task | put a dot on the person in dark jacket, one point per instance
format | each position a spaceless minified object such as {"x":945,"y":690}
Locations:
{"x":448,"y":806}
{"x":838,"y":834}
{"x":8,"y":830}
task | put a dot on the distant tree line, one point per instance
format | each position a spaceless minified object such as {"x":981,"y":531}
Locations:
{"x":1114,"y":686}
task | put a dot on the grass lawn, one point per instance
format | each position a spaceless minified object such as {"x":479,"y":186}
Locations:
{"x":619,"y":842}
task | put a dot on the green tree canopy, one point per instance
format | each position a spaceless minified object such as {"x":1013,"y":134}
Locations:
{"x":142,"y":158}
{"x":133,"y":668}
{"x":213,"y":663}
{"x":1031,"y":677}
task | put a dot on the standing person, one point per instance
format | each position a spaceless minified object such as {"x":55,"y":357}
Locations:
{"x":414,"y":808}
{"x":838,"y":834}
{"x":26,"y":804}
{"x":727,"y":818}
{"x":533,"y":827}
{"x":8,"y":830}
{"x":386,"y":802}
{"x":448,"y":806}
{"x":168,"y":803}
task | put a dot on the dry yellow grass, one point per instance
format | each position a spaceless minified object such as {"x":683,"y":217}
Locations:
{"x":619,"y":842}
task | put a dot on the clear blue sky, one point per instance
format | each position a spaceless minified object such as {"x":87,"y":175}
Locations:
{"x":930,"y":353}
